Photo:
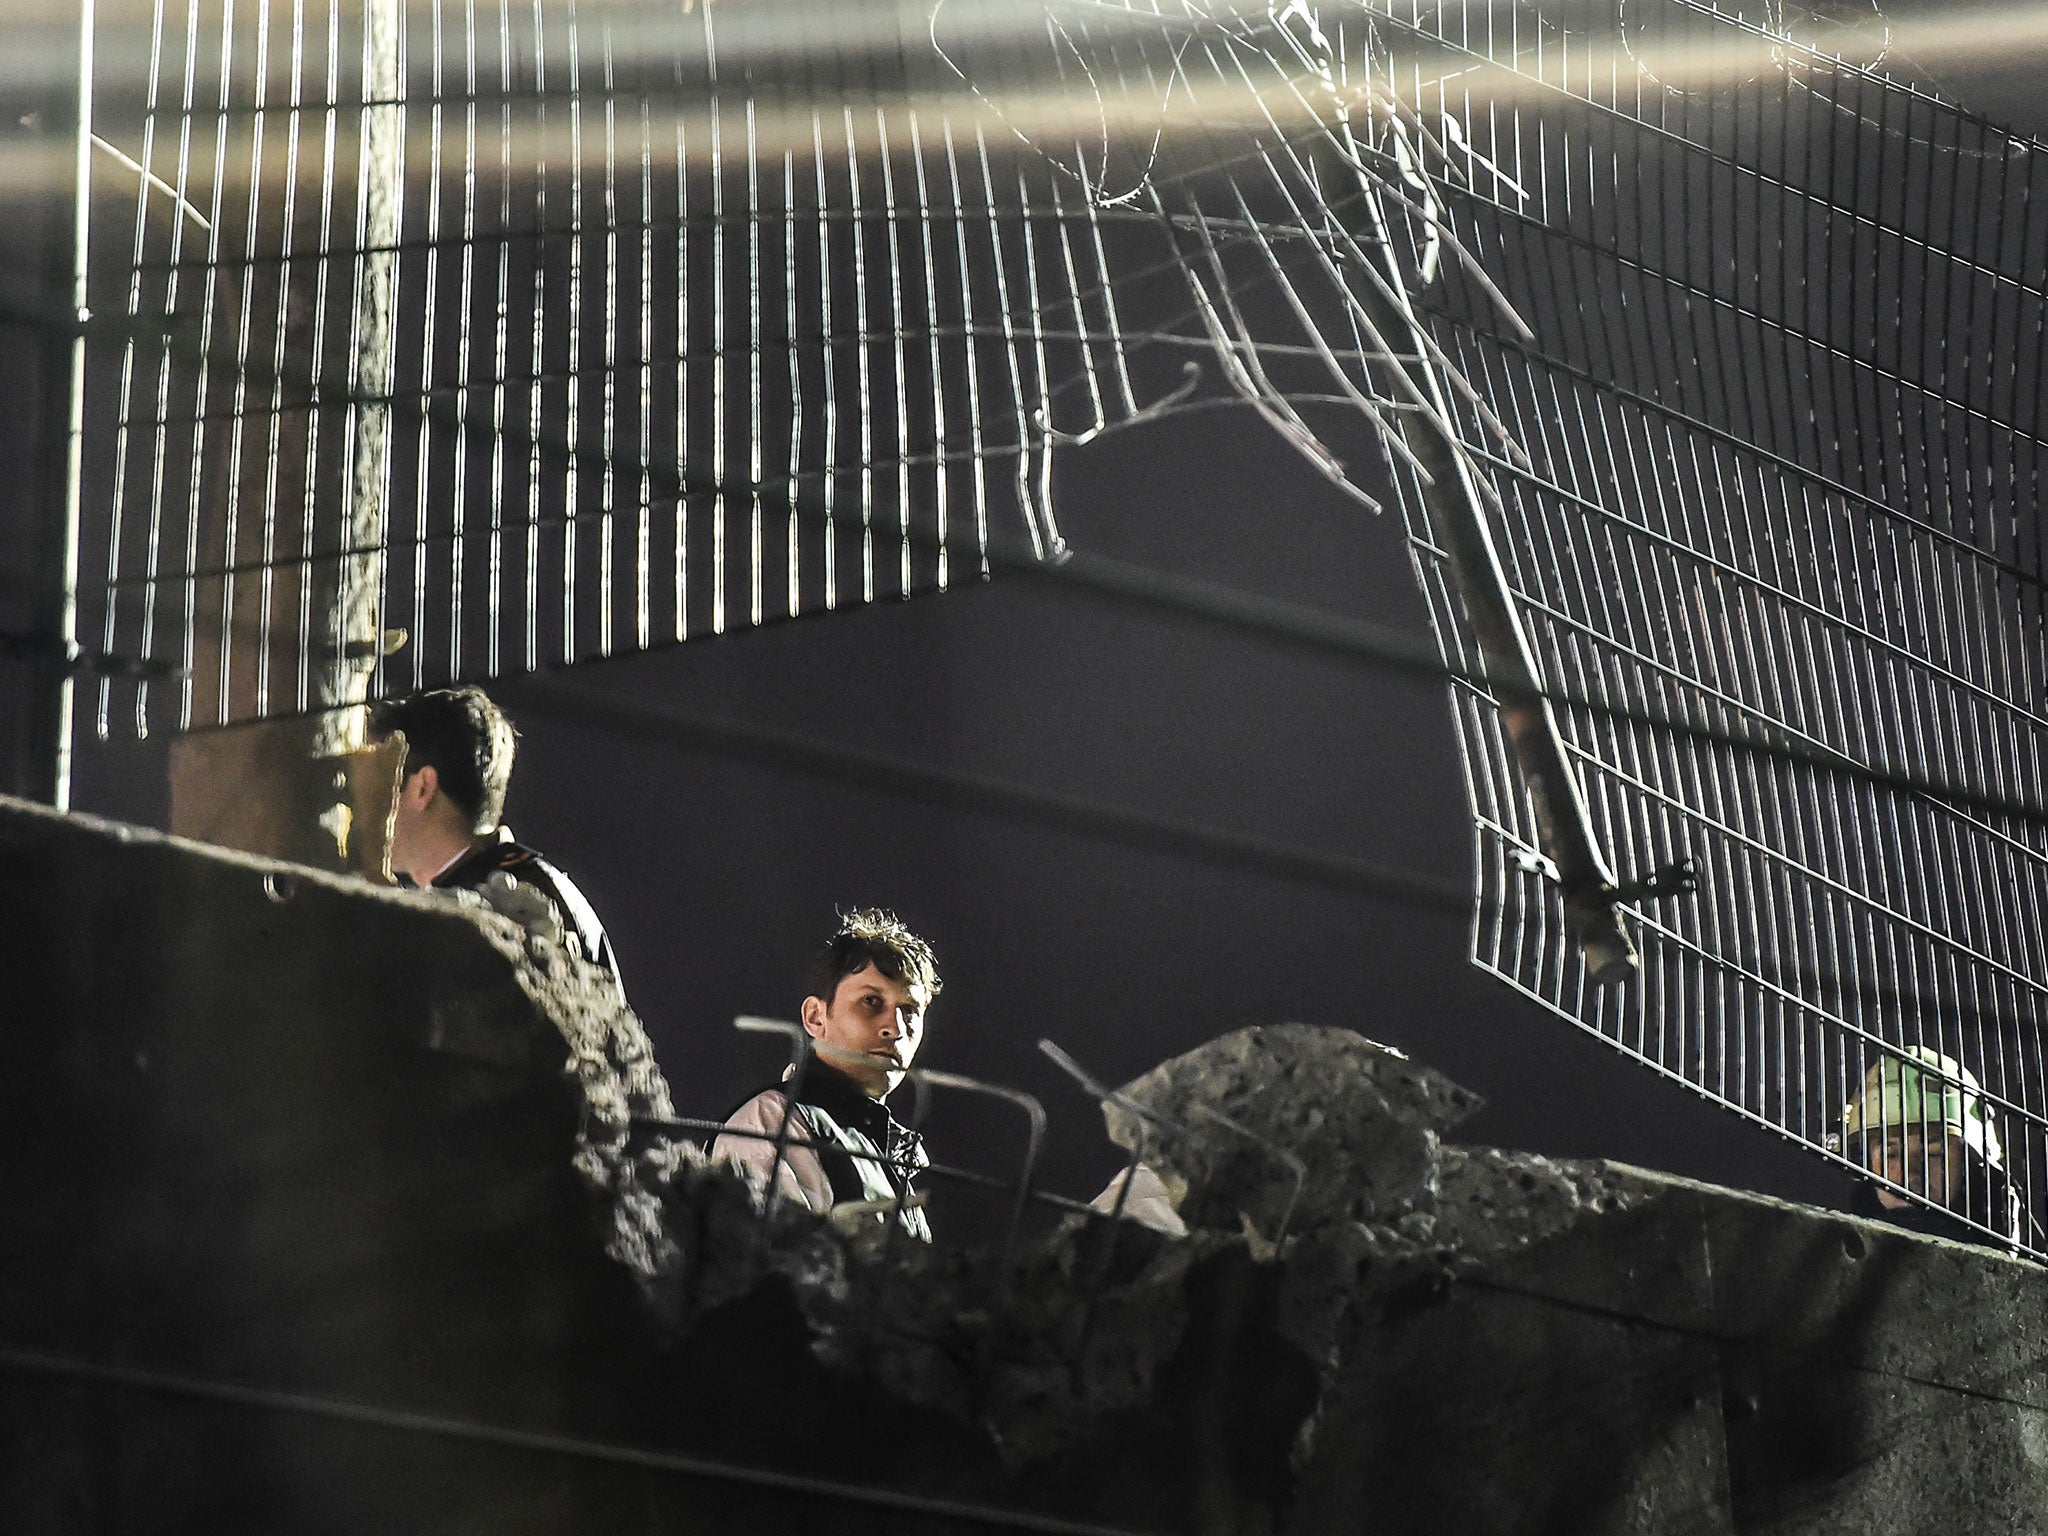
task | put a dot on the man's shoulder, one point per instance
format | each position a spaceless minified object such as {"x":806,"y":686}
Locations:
{"x":760,"y":1122}
{"x":485,"y":860}
{"x":767,"y":1107}
{"x":524,"y":864}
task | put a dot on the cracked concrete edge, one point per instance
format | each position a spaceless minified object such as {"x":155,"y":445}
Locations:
{"x":1032,"y":1358}
{"x":1932,"y":1323}
{"x":1051,"y":1358}
{"x":501,"y":990}
{"x":287,"y":877}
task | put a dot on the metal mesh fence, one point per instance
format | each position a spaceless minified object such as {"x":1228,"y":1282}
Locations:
{"x":1783,"y":417}
{"x":1704,"y":366}
{"x":538,"y":333}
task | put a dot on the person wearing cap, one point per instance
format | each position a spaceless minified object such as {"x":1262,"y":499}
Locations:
{"x":824,"y":1134}
{"x":1919,"y":1123}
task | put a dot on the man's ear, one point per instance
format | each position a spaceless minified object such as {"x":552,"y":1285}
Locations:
{"x":813,"y":1015}
{"x":421,"y":786}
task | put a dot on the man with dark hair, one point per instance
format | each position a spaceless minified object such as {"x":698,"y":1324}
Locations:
{"x":447,"y":827}
{"x":870,"y":987}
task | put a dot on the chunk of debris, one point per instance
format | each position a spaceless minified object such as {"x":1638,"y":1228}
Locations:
{"x":1291,"y":1124}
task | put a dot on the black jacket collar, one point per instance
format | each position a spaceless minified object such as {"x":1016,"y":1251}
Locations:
{"x":831,"y":1090}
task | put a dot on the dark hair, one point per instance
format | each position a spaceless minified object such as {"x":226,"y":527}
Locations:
{"x":464,"y":737}
{"x":877,"y":938}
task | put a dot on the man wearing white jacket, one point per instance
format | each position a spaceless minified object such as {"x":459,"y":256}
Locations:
{"x":825,"y":1134}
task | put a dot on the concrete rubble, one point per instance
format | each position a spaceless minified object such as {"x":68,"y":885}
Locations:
{"x":338,"y":1209}
{"x":1318,"y":1153}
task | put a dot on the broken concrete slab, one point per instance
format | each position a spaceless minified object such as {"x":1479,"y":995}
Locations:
{"x":241,"y":1061}
{"x":297,"y":1240}
{"x":1292,"y":1123}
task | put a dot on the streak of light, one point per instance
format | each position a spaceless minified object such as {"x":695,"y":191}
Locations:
{"x":1724,"y":50}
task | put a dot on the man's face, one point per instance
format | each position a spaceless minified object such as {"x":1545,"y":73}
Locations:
{"x":1923,"y":1164}
{"x":871,"y":1028}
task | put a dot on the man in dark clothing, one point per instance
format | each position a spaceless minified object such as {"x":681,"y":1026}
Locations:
{"x":825,"y":1136}
{"x":447,"y":832}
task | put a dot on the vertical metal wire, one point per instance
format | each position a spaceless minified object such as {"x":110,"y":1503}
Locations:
{"x":900,"y":410}
{"x":1021,"y":395}
{"x":535,"y":386}
{"x":793,"y":527}
{"x":51,"y":734}
{"x":643,"y":540}
{"x":720,"y":356}
{"x":607,"y":533}
{"x":941,"y":466}
{"x":420,"y":636}
{"x":829,"y":487}
{"x":864,"y":397}
{"x":971,"y":326}
{"x":685,"y":397}
{"x":327,"y":257}
{"x":182,"y":185}
{"x":458,"y":509}
{"x":242,"y":404}
{"x":757,"y":424}
{"x":153,"y":435}
{"x":126,"y":427}
{"x":501,"y":386}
